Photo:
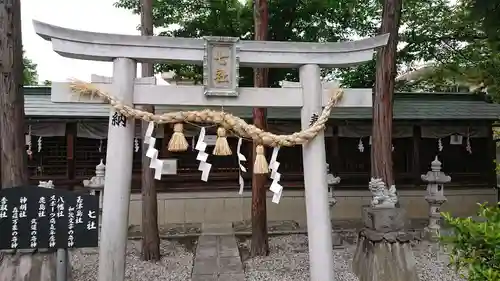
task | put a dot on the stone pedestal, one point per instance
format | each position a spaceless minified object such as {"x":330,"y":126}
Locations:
{"x":432,"y":230}
{"x":25,"y":265}
{"x":383,"y":250}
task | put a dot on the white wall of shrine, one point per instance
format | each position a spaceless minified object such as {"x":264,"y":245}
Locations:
{"x":229,"y":206}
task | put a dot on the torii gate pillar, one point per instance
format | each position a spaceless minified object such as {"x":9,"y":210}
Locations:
{"x":118,"y":178}
{"x":319,"y":228}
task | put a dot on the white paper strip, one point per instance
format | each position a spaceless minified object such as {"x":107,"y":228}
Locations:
{"x":202,"y":156}
{"x":200,"y":145}
{"x":241,"y":158}
{"x":242,"y":184}
{"x":275,"y":187}
{"x":158,"y":173}
{"x":39,"y":144}
{"x":149,"y":132}
{"x":28,"y":141}
{"x":274,"y":168}
{"x":205,"y":170}
{"x":152,"y":152}
{"x":274,"y":155}
{"x":151,"y":142}
{"x":276,"y":198}
{"x":136,"y":145}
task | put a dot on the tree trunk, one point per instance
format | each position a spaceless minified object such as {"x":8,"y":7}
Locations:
{"x":150,"y":235}
{"x":14,"y":172}
{"x":381,"y":151}
{"x":259,"y":245}
{"x":14,"y":165}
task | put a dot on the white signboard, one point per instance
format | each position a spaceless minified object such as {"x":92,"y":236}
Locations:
{"x":210,"y":140}
{"x":169,"y":167}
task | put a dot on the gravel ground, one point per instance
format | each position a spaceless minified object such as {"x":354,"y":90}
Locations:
{"x":289,"y":260}
{"x":176,"y":263}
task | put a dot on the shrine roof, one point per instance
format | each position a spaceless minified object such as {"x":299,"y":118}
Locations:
{"x":407,"y":106}
{"x":431,"y":106}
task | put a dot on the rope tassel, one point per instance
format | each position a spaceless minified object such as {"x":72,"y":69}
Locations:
{"x":178,"y":141}
{"x":221,"y":146}
{"x":260,"y":166}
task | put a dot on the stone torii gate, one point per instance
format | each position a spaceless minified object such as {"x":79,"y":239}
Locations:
{"x":125,"y":51}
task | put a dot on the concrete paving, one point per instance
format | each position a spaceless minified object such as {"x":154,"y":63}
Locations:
{"x":217,"y":257}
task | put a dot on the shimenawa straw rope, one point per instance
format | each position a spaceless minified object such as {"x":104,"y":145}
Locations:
{"x":224,"y":119}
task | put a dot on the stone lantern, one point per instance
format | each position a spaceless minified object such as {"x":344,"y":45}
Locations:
{"x":331,"y":180}
{"x":96,"y":183}
{"x":435,"y":179}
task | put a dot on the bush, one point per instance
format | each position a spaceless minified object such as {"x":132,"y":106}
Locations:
{"x":475,"y":244}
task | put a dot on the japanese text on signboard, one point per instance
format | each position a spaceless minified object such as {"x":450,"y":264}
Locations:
{"x":221,"y":66}
{"x":35,"y":217}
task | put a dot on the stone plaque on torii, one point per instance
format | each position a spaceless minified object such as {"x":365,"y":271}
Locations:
{"x":221,"y":58}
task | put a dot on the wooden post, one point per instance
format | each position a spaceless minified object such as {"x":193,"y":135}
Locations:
{"x":150,"y":235}
{"x":492,"y":151}
{"x":334,"y":153}
{"x":417,"y":140}
{"x":70,"y":152}
{"x":381,"y":152}
{"x":259,"y":245}
{"x":13,"y":157}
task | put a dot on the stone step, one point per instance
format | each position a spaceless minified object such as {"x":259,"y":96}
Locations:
{"x":217,"y":257}
{"x":217,"y":229}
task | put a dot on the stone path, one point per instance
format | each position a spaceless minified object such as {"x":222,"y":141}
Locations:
{"x":217,"y":257}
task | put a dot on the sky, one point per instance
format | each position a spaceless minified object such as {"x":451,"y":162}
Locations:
{"x":88,"y":15}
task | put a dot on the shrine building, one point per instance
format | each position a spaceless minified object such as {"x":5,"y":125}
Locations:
{"x":68,"y":140}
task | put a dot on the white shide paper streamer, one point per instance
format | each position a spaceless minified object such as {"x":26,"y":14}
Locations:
{"x":275,"y":187}
{"x":152,"y":152}
{"x":136,"y":145}
{"x":28,"y":141}
{"x":39,"y":144}
{"x":241,"y":158}
{"x":202,"y":156}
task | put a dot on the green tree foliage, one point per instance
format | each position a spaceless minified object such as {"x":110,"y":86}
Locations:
{"x":475,"y":245}
{"x":485,"y":12}
{"x":470,"y":52}
{"x":289,"y":20}
{"x":30,"y":75}
{"x":457,"y":37}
